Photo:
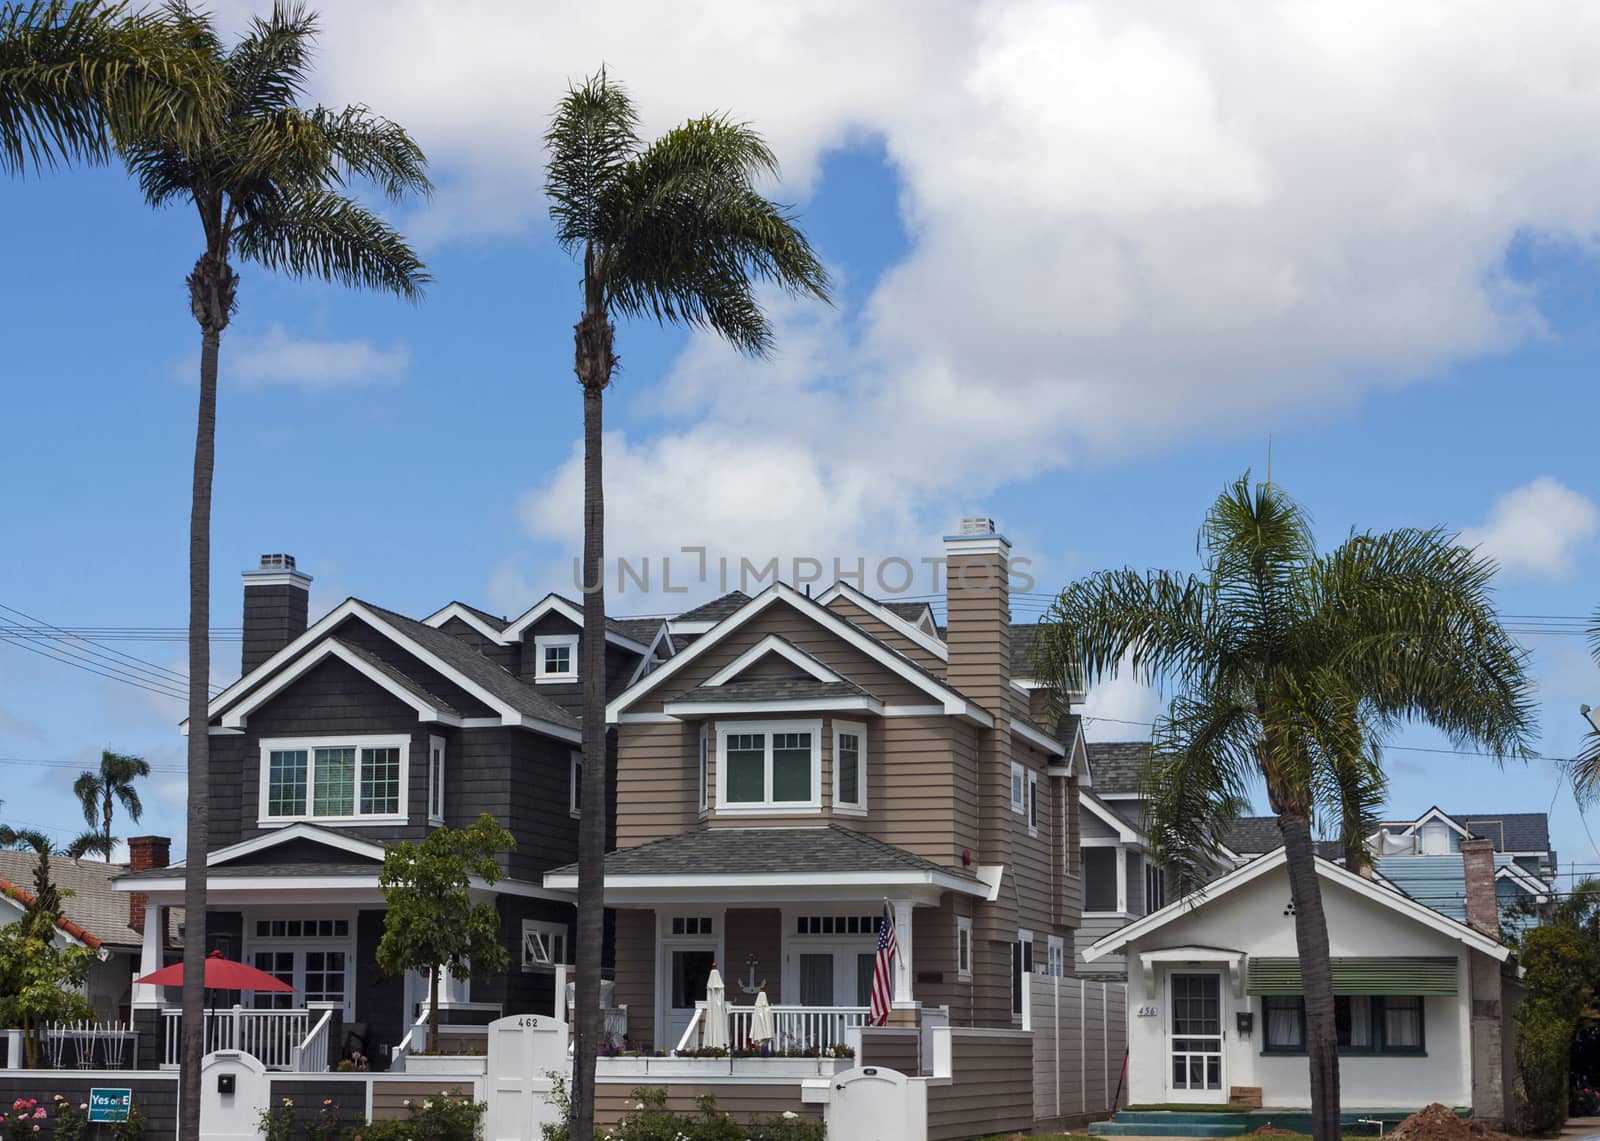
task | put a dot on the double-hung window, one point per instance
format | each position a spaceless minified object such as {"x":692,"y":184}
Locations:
{"x":964,"y":948}
{"x":575,"y":785}
{"x":849,"y":767}
{"x":1033,"y":804}
{"x":555,"y":657}
{"x":1019,"y":788}
{"x":766,"y":766}
{"x":357,"y":779}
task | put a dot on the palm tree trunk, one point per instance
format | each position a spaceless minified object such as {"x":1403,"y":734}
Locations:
{"x":433,"y":1007}
{"x":107,"y":808}
{"x":593,"y":364}
{"x":211,"y":294}
{"x":1316,"y":973}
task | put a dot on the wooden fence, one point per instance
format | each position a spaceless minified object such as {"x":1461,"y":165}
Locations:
{"x":1080,"y":1040}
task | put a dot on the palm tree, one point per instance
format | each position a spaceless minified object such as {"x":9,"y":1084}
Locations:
{"x":1585,"y":767}
{"x":98,"y":791}
{"x":674,"y":229}
{"x":268,"y":181}
{"x":74,"y":77}
{"x":1289,"y":666}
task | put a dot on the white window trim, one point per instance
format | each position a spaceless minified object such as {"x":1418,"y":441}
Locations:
{"x":1018,"y":964}
{"x":963,"y":936}
{"x":705,"y":769}
{"x":1032,"y":804}
{"x":843,"y":807}
{"x":357,"y":741}
{"x":1019,"y":789}
{"x":436,"y":757}
{"x":1056,"y":955}
{"x":542,"y":927}
{"x":769,"y":806}
{"x":250,"y":943}
{"x":553,"y":641}
{"x":574,"y":785}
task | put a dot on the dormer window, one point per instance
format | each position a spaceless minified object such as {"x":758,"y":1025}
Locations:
{"x":768,"y":766}
{"x":556,"y":657}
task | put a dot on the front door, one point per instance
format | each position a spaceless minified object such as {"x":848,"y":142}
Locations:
{"x":1194,"y":1036}
{"x":688,"y":967}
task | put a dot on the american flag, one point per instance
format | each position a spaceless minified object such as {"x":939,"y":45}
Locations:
{"x":883,"y":970}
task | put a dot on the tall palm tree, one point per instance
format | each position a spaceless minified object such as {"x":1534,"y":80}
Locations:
{"x":1289,"y":665}
{"x":675,"y":229}
{"x":1585,"y":767}
{"x":98,"y":791}
{"x":268,"y":180}
{"x":74,"y":77}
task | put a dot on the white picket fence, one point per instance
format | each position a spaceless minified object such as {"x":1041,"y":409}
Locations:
{"x":273,"y":1036}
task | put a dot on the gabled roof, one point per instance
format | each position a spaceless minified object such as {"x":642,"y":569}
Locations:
{"x":888,"y":615}
{"x":343,"y":849}
{"x":1383,"y":896}
{"x":1126,"y":832}
{"x":714,"y":611}
{"x":93,"y":914}
{"x":513,"y":701}
{"x":1118,"y":766}
{"x":481,"y":619}
{"x":1510,"y":831}
{"x":760,"y":690}
{"x":622,"y":632}
{"x":782,"y":594}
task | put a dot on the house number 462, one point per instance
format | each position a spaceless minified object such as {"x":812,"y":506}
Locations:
{"x":1147,"y":1012}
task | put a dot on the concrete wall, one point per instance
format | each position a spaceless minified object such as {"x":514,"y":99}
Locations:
{"x":1254,"y":918}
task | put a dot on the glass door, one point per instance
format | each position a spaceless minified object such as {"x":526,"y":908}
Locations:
{"x":1195,"y":1035}
{"x":688,"y":970}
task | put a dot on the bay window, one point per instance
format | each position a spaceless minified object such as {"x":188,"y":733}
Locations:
{"x":769,"y":765}
{"x":358,"y":779}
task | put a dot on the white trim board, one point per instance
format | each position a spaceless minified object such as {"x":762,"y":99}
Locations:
{"x":572,"y":613}
{"x":1261,"y":865}
{"x":300,"y":830}
{"x":1037,"y":738}
{"x":676,"y":709}
{"x":1126,"y":833}
{"x":952,"y":702}
{"x":236,"y":717}
{"x":888,"y":617}
{"x":772,"y":644}
{"x":354,"y":608}
{"x":458,"y":610}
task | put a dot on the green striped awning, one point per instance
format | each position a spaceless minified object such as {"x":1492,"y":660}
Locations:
{"x":1396,"y":975}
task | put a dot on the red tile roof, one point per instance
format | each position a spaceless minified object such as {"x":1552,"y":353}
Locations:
{"x":12,"y":891}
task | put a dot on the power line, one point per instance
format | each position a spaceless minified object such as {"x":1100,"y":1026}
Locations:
{"x":90,"y":669}
{"x":39,"y":763}
{"x":138,"y":663}
{"x":90,"y":654}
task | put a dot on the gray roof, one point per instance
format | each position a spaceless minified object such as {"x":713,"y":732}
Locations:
{"x":1510,"y":831}
{"x":313,"y":870}
{"x":910,"y":611}
{"x":641,"y":630}
{"x":488,"y":619}
{"x":715,"y":610}
{"x":820,"y":851}
{"x":1022,"y":648}
{"x":399,"y":677}
{"x":485,"y":673}
{"x":1253,"y":835}
{"x":1118,"y":766}
{"x":93,"y":905}
{"x":800,"y":688}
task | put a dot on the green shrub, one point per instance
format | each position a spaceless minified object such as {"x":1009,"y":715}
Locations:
{"x":441,"y":1117}
{"x":1557,"y":963}
{"x":649,"y":1119}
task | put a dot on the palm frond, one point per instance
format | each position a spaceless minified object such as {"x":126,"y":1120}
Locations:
{"x":317,"y":233}
{"x":266,"y":71}
{"x":371,"y":147}
{"x":592,"y":138}
{"x":75,"y":77}
{"x":1197,"y":782}
{"x":91,"y":843}
{"x":88,"y":788}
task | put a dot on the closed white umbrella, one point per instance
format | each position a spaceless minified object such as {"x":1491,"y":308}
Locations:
{"x":761,"y":1031}
{"x":715,"y":1030}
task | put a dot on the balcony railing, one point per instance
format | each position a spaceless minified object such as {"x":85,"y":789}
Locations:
{"x":794,"y":1027}
{"x":271,"y":1036}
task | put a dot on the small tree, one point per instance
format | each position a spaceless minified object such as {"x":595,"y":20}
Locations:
{"x":431,"y":923}
{"x":41,"y":972}
{"x":1558,"y":963}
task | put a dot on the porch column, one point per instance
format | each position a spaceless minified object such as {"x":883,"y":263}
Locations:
{"x":902,"y":960}
{"x":453,"y":990}
{"x":1122,"y":879}
{"x":155,"y":922}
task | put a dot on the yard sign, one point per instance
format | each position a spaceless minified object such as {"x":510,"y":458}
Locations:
{"x":110,"y":1104}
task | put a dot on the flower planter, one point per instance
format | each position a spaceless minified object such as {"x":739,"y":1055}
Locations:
{"x":447,"y":1065}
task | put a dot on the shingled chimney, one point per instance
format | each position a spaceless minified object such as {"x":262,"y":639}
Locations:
{"x":276,"y":597}
{"x":978,"y":608}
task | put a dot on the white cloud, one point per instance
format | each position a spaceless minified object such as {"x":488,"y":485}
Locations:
{"x":275,"y":357}
{"x":1536,"y":529}
{"x":1128,"y":224}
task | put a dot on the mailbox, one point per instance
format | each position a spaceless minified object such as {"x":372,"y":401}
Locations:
{"x":225,"y":1083}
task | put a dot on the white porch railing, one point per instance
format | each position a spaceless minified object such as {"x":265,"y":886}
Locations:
{"x":270,"y":1036}
{"x":312,"y":1054}
{"x":416,"y":1038}
{"x":794,"y":1027}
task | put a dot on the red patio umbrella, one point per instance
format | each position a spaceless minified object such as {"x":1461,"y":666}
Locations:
{"x":221,"y":974}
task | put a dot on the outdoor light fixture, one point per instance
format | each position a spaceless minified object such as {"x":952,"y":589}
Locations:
{"x":1245,"y":1020}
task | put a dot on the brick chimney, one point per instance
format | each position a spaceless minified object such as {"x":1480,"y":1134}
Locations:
{"x":276,"y":597}
{"x":1483,"y":910}
{"x":978,"y":606}
{"x":144,"y":853}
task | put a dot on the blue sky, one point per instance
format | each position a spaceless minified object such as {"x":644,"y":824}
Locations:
{"x":1088,"y":262}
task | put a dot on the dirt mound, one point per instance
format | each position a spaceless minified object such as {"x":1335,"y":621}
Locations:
{"x":1439,"y":1123}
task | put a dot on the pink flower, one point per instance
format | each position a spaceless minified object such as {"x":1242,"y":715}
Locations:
{"x":39,"y":1114}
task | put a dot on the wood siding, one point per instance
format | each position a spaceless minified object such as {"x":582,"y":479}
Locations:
{"x":878,"y":628}
{"x":658,"y":781}
{"x":892,"y":1049}
{"x":636,"y":974}
{"x":746,"y":1101}
{"x":990,"y":1089}
{"x":389,"y":1095}
{"x":748,"y":932}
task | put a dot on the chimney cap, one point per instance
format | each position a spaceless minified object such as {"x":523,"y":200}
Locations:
{"x":276,"y":568}
{"x":970,"y":525}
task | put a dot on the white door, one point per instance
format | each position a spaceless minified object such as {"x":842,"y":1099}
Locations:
{"x":1194,"y":1038}
{"x":874,"y":1103}
{"x":525,"y":1050}
{"x":686,"y":968}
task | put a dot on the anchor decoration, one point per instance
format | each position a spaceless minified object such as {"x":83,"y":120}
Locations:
{"x":751,"y":987}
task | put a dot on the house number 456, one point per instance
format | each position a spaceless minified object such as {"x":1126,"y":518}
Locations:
{"x":1147,"y":1012}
